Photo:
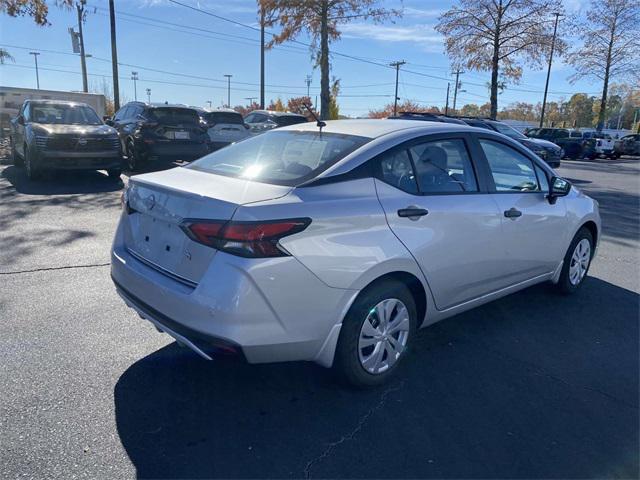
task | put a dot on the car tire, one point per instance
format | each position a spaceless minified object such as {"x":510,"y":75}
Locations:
{"x":376,"y":334}
{"x":33,"y":172}
{"x":133,"y":159}
{"x":576,"y":263}
{"x":114,"y":173}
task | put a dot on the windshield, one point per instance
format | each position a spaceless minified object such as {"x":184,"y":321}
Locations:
{"x":280,"y":157}
{"x":285,"y":120}
{"x":175,"y":116}
{"x":64,"y":114}
{"x":508,"y":131}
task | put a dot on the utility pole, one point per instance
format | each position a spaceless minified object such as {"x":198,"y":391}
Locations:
{"x":397,"y":66}
{"x":114,"y":57}
{"x":308,"y":82}
{"x":83,"y":61}
{"x":35,"y":57}
{"x":228,"y":89}
{"x":148,"y":95}
{"x":251,"y":99}
{"x":455,"y":89}
{"x":446,"y":105}
{"x":546,"y":85}
{"x":261,"y":58}
{"x":134,"y":77}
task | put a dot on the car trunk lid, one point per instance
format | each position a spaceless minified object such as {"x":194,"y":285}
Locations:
{"x":160,"y":202}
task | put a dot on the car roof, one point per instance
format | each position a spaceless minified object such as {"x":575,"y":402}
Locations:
{"x":277,"y":114}
{"x":374,"y":128}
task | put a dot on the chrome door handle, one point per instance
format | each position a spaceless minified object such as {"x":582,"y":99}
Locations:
{"x":512,"y":213}
{"x":412,"y":212}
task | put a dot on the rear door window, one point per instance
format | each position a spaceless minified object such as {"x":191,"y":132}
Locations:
{"x":396,"y":169}
{"x":175,"y":116}
{"x":285,"y":120}
{"x":443,"y":166}
{"x":224,"y":117}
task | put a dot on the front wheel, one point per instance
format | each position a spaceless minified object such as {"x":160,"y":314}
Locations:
{"x":15,"y":158}
{"x":577,"y":261}
{"x":133,"y":157}
{"x":376,"y":334}
{"x":33,"y":172}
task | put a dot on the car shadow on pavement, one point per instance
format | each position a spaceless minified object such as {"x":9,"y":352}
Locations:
{"x":62,"y":182}
{"x":532,"y":385}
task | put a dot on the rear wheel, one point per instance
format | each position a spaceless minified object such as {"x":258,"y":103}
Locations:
{"x":577,"y":261}
{"x":133,"y":157}
{"x":376,"y":334}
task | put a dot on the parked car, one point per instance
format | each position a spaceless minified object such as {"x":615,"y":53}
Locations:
{"x":574,"y":147}
{"x":159,"y":132}
{"x":334,"y":245}
{"x":627,"y":145}
{"x":224,"y":126}
{"x":548,"y":151}
{"x":602,"y":144}
{"x":60,"y":135}
{"x":260,"y":121}
{"x":426,"y":116}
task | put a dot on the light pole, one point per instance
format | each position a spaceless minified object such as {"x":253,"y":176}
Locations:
{"x":35,"y":57}
{"x":546,"y":85}
{"x":114,"y":57}
{"x":83,"y":62}
{"x":395,"y":97}
{"x":148,"y":95}
{"x":308,"y":80}
{"x":228,"y":89}
{"x":134,"y":77}
{"x":456,"y":87}
{"x":446,"y":105}
{"x":262,"y":58}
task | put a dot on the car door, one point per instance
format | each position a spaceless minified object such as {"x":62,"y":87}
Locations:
{"x":118,"y":124}
{"x":18,"y":137}
{"x":533,"y":228}
{"x":441,"y":210}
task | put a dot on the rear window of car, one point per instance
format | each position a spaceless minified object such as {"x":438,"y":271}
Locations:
{"x":285,"y":120}
{"x":280,"y":157}
{"x":223,"y":117}
{"x":174,"y":116}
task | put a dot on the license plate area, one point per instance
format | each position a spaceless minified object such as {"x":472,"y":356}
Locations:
{"x":177,"y":135}
{"x":158,"y":241}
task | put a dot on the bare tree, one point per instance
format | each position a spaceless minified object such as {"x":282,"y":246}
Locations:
{"x":611,"y":42}
{"x":321,"y":19}
{"x":4,"y":56}
{"x":495,"y":35}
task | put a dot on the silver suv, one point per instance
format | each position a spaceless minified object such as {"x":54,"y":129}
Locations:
{"x":334,"y":245}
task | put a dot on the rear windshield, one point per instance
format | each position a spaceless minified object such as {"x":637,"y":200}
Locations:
{"x":280,"y":157}
{"x":223,"y":117}
{"x":285,"y":120}
{"x":175,"y":116}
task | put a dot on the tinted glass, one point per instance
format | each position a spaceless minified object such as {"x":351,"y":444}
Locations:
{"x":280,"y":157}
{"x":175,"y":116}
{"x":443,"y":167}
{"x":64,"y":114}
{"x":285,"y":120}
{"x":224,"y":117}
{"x":562,"y":134}
{"x":542,"y":178}
{"x":507,"y":130}
{"x":396,"y":170}
{"x":511,"y":170}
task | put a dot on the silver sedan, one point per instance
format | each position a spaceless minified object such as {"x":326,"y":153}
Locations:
{"x":335,"y":244}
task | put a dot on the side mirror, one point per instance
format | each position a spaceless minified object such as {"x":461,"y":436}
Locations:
{"x":558,"y":187}
{"x":109,"y":121}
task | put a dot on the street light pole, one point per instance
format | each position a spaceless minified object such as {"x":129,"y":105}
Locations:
{"x":262,"y":58}
{"x":35,"y":57}
{"x":134,"y":77}
{"x":209,"y":102}
{"x":148,"y":95}
{"x":114,"y":57}
{"x":546,"y":85}
{"x":308,"y":81}
{"x":446,"y":105}
{"x":228,"y":89}
{"x":397,"y":66}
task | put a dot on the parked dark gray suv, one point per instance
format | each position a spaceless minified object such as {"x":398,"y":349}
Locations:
{"x":59,"y":135}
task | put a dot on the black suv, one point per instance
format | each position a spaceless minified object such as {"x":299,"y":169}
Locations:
{"x":549,"y":151}
{"x":60,"y":135}
{"x":151,"y":132}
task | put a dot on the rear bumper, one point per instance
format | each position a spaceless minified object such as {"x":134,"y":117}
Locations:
{"x":61,"y":160}
{"x":186,"y":151}
{"x":269,"y":309}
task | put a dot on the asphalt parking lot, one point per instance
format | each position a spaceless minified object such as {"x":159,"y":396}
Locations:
{"x":534,"y":385}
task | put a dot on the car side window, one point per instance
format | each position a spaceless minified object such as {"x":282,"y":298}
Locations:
{"x":120,"y":114}
{"x":250,"y":118}
{"x":26,"y":113}
{"x":511,"y":170}
{"x":543,"y":179}
{"x":443,"y":166}
{"x":396,"y":170}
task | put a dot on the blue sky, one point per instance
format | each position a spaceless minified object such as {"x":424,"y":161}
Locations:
{"x":193,"y":59}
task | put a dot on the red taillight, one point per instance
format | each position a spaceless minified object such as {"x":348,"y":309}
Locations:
{"x":246,"y":239}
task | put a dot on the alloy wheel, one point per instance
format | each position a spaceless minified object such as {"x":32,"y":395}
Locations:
{"x":383,"y":336}
{"x":580,"y":261}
